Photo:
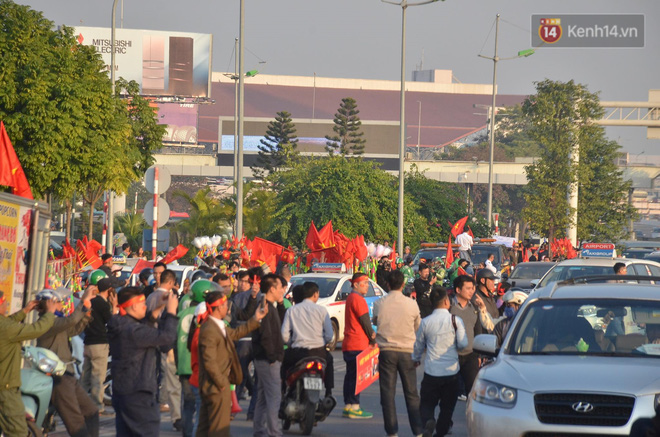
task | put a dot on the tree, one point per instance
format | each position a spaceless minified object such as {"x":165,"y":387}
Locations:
{"x":559,"y":116}
{"x":132,"y":226}
{"x":279,"y":146}
{"x":440,"y":203}
{"x":207,"y":216}
{"x":348,"y":135}
{"x":258,"y":208}
{"x":356,"y":195}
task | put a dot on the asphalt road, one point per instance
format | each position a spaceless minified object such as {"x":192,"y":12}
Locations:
{"x":334,"y":425}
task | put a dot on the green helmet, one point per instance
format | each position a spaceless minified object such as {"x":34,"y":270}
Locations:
{"x":96,"y":276}
{"x":200,"y":287}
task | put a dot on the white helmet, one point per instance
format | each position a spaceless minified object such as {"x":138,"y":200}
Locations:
{"x":517,"y":297}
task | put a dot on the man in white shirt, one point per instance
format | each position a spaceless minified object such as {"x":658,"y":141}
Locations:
{"x":442,"y":335}
{"x":307,"y":329}
{"x":465,"y":243}
{"x":489,"y":263}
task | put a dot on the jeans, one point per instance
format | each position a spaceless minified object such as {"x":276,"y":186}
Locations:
{"x":441,"y":390}
{"x":469,"y":367}
{"x":198,"y":405}
{"x":269,"y":397}
{"x":350,"y":379}
{"x":188,"y":406}
{"x":244,"y":352}
{"x":389,"y":364}
{"x":95,"y":368}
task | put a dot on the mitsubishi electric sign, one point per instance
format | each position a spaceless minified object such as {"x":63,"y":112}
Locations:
{"x":163,"y":63}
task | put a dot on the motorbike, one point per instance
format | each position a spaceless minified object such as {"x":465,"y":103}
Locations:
{"x":302,"y":402}
{"x":37,"y":385}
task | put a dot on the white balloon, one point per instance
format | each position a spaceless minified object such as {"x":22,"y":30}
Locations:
{"x":197,"y":242}
{"x":387,"y":251}
{"x":216,"y":240}
{"x":371,"y":249}
{"x":379,"y":250}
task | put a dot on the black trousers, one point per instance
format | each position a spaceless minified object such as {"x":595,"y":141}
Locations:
{"x":469,"y":368}
{"x":443,"y":391}
{"x":293,"y":355}
{"x":137,"y":414}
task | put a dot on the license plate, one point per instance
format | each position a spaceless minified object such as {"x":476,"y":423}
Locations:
{"x":313,"y":383}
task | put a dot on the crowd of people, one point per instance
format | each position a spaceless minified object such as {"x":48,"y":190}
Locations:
{"x":187,"y":348}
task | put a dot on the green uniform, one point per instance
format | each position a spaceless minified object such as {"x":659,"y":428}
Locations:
{"x":183,"y":365}
{"x":408,"y":274}
{"x":12,"y":334}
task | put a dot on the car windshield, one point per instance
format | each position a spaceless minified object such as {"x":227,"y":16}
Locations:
{"x":326,"y":285}
{"x":636,"y":253}
{"x":480,"y":254}
{"x":429,"y":255}
{"x":530,"y":270}
{"x":622,"y":327}
{"x":561,"y":273}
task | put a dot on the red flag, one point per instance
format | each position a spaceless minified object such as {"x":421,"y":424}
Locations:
{"x":327,"y":236}
{"x":313,"y":240}
{"x":142,"y":264}
{"x":450,"y":254}
{"x":11,"y":172}
{"x":470,"y":232}
{"x":361,"y":251}
{"x":525,"y":257}
{"x":457,"y":229}
{"x":175,"y":254}
{"x":266,"y":252}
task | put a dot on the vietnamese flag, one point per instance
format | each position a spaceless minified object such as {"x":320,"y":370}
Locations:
{"x":450,"y":254}
{"x":457,"y":229}
{"x":11,"y":172}
{"x":313,"y":240}
{"x":175,"y":254}
{"x":327,"y":236}
{"x":470,"y":232}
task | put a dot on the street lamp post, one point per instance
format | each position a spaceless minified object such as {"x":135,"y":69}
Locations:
{"x":402,"y":128}
{"x":110,"y":246}
{"x":241,"y":112}
{"x":495,"y":59}
{"x":419,"y":126}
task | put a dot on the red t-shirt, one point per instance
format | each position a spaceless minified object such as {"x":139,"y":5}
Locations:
{"x":194,"y":359}
{"x":354,"y":337}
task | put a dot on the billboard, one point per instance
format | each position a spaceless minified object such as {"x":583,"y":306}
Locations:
{"x":163,"y":63}
{"x":181,"y":121}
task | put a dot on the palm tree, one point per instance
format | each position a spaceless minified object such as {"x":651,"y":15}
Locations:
{"x":207,"y":216}
{"x":258,"y":208}
{"x":132,"y":226}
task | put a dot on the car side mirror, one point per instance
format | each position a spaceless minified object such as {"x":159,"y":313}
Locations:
{"x":485,"y":344}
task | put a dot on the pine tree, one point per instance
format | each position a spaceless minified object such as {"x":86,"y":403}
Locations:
{"x":278,"y":147}
{"x":348,"y":137}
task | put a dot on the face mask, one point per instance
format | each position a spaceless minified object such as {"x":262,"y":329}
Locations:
{"x":509,"y":312}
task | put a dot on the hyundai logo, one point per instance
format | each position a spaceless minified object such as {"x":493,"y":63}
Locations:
{"x":582,"y":407}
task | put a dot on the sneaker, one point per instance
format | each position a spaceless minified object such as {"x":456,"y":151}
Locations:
{"x":429,"y":428}
{"x":462,"y":398}
{"x":357,"y":414}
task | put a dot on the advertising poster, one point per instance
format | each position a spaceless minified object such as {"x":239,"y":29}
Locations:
{"x":14,"y":242}
{"x":163,"y":63}
{"x":367,"y":368}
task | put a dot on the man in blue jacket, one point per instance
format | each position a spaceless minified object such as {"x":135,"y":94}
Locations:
{"x":134,"y":345}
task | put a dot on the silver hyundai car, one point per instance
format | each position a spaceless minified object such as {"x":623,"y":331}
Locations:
{"x":577,"y":360}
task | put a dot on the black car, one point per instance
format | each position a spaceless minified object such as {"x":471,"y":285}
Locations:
{"x":524,"y":273}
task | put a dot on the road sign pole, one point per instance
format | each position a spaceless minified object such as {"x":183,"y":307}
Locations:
{"x":154,"y":232}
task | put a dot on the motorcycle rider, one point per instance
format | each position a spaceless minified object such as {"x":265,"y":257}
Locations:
{"x":307,"y":329}
{"x":12,"y":333}
{"x":76,"y":408}
{"x":513,"y":300}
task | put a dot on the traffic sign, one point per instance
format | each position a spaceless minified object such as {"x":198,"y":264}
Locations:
{"x":163,"y":212}
{"x":164,"y":180}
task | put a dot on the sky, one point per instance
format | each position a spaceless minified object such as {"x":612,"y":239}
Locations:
{"x":362,"y":39}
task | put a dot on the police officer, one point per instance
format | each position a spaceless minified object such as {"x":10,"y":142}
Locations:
{"x":12,"y":333}
{"x":134,"y":346}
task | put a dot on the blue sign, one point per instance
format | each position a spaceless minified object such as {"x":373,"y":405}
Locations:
{"x":597,"y":253}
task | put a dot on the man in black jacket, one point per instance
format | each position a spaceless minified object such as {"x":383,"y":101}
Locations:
{"x":134,"y":345}
{"x":423,"y":286}
{"x":268,"y":349}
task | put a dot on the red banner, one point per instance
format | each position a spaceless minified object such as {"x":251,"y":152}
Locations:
{"x":367,"y":368}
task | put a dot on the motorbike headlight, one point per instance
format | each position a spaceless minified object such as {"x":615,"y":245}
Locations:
{"x":46,"y":365}
{"x":493,"y":394}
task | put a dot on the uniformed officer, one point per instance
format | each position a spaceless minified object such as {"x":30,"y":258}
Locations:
{"x":12,"y":333}
{"x":134,"y":345}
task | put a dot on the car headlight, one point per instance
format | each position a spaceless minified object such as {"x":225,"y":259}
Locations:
{"x":497,"y":395}
{"x":46,"y":365}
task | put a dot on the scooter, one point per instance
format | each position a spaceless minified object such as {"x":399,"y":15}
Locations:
{"x":302,"y":402}
{"x":37,"y":384}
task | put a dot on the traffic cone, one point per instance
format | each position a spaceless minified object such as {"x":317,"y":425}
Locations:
{"x":235,"y":408}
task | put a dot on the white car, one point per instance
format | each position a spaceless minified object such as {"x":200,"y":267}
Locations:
{"x":577,"y":360}
{"x":334,"y":288}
